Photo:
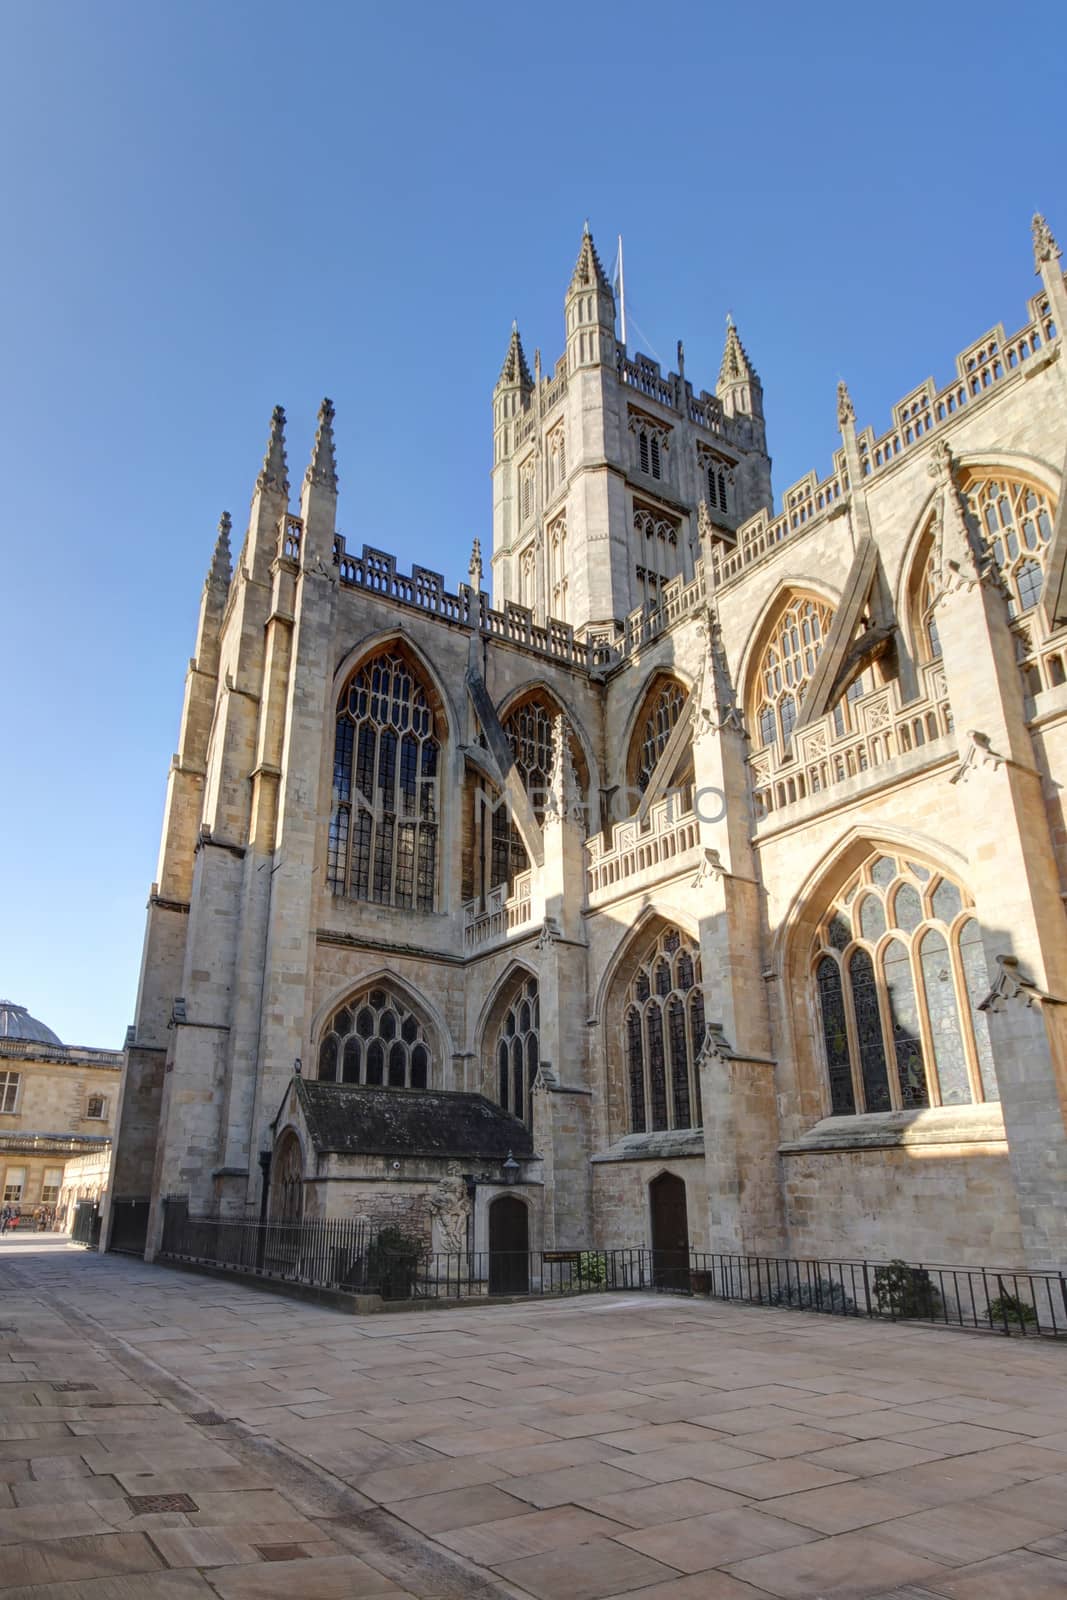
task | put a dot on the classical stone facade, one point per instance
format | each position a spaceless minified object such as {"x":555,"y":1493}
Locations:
{"x":57,"y":1107}
{"x":724,"y":849}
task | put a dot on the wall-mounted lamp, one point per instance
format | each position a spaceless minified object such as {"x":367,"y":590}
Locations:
{"x":298,"y":1066}
{"x":511,"y":1169}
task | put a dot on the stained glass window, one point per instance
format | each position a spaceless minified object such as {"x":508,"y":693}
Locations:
{"x":383,"y":827}
{"x":376,"y":1039}
{"x":909,"y":1003}
{"x":664,"y":1027}
{"x":655,"y":726}
{"x":529,"y":731}
{"x":518,"y":1049}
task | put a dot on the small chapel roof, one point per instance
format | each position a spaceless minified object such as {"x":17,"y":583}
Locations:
{"x":355,"y":1119}
{"x":16,"y":1023}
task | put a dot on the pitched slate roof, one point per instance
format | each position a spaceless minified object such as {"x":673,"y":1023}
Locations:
{"x":356,"y":1120}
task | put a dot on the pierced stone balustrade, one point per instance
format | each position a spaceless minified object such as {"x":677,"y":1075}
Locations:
{"x":669,"y":839}
{"x":503,"y":914}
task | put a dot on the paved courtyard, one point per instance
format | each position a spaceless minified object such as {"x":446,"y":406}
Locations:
{"x":165,"y":1437}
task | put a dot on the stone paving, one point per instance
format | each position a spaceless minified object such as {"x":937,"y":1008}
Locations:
{"x":165,"y":1436}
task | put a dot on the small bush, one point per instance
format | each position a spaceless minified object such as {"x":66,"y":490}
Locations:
{"x":823,"y":1295}
{"x":593,"y":1269}
{"x":1009,"y":1308}
{"x":393,"y":1263}
{"x":903,"y":1291}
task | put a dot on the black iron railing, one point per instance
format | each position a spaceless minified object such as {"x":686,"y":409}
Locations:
{"x":85,"y":1227}
{"x":1001,"y":1300}
{"x":348,"y":1254}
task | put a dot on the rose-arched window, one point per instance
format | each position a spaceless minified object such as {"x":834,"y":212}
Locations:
{"x":376,"y":1039}
{"x":785,"y":666}
{"x":663,"y":1030}
{"x":899,"y":970}
{"x":662,"y":707}
{"x":517,"y":1049}
{"x":386,"y":803}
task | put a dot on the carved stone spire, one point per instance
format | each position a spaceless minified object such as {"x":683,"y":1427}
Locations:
{"x":515,"y":370}
{"x":736,"y":366}
{"x":1045,"y":246}
{"x":221,"y":570}
{"x":474,"y":571}
{"x":322,"y":469}
{"x":588,"y":271}
{"x":274,"y":473}
{"x":564,"y":799}
{"x":846,"y":411}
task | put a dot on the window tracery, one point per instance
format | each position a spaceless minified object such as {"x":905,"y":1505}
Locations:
{"x":528,"y":727}
{"x":659,"y":550}
{"x":517,"y":1052}
{"x":664,"y":704}
{"x":376,"y":1039}
{"x":526,"y":491}
{"x":383,"y":830}
{"x":717,"y":480}
{"x":557,"y":568}
{"x":786,"y":666}
{"x":651,"y":443}
{"x":899,"y":970}
{"x":663,"y":1030}
{"x":557,"y":458}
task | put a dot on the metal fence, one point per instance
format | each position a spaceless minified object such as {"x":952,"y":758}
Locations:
{"x":348,"y":1254}
{"x":1000,"y":1300}
{"x":85,"y":1227}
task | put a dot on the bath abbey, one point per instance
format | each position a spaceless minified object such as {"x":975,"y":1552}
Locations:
{"x":691,"y":874}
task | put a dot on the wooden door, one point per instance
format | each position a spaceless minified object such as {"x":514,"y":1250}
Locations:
{"x":509,"y":1245}
{"x":670,"y":1232}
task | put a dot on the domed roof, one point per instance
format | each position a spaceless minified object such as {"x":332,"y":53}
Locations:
{"x":16,"y":1023}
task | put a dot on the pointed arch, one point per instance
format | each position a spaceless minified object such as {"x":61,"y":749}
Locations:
{"x":885,"y":968}
{"x":389,"y":740}
{"x":654,"y":1023}
{"x":657,"y":711}
{"x":810,"y":584}
{"x":509,"y":1040}
{"x":380,"y":1031}
{"x":780,"y":661}
{"x":586,"y":764}
{"x":396,"y":638}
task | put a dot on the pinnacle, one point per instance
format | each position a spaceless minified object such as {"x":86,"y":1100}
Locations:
{"x":736,"y":366}
{"x":564,"y":799}
{"x":322,"y":469}
{"x":274,"y":474}
{"x":474,"y":571}
{"x":1045,"y":246}
{"x":221,"y":569}
{"x":515,"y":370}
{"x":588,"y":270}
{"x":846,"y":411}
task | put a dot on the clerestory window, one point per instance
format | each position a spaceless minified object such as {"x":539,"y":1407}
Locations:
{"x":376,"y":1039}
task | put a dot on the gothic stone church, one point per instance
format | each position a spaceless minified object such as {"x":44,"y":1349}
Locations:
{"x":701,"y":873}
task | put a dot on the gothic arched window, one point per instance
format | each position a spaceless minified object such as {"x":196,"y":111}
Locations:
{"x":663,"y":705}
{"x":663,"y":1030}
{"x":376,"y":1039}
{"x":383,"y":831}
{"x":785,"y":667}
{"x":528,"y":727}
{"x":516,"y":1055}
{"x":899,"y":971}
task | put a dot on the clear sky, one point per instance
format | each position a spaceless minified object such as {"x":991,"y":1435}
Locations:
{"x":213,"y":208}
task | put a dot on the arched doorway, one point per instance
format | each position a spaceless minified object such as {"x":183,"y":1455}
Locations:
{"x":287,"y":1180}
{"x":509,"y":1245}
{"x":670,"y":1232}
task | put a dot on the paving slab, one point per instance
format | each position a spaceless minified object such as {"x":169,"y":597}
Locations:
{"x":235,"y":1444}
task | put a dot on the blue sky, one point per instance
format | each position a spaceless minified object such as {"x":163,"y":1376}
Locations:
{"x":210,"y":209}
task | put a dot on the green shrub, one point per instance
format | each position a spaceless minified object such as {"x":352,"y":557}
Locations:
{"x":903,"y":1291}
{"x":1009,"y":1308}
{"x":393,"y":1263}
{"x":593,"y":1269}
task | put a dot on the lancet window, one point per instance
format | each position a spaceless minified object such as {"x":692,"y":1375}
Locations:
{"x":658,"y":550}
{"x":557,"y":568}
{"x":786,"y":666}
{"x":517,"y":1052}
{"x":663,"y":1030}
{"x":717,"y":478}
{"x":899,"y":971}
{"x":386,"y":801}
{"x":557,"y":458}
{"x":376,"y":1039}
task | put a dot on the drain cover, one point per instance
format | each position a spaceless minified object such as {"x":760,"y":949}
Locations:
{"x":141,"y":1503}
{"x":207,"y":1419}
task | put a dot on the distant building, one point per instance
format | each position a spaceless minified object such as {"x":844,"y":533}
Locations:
{"x":723,"y":851}
{"x":57,"y":1104}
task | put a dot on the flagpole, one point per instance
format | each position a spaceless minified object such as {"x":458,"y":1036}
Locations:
{"x":622,"y":295}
